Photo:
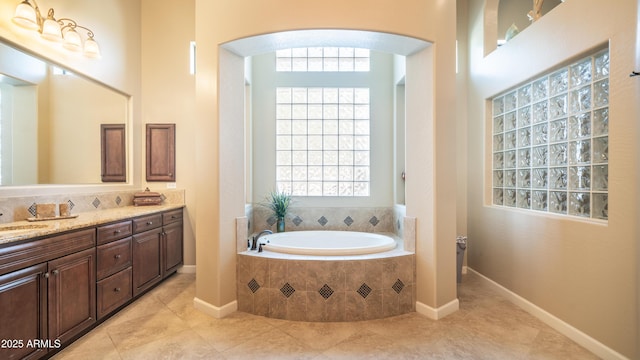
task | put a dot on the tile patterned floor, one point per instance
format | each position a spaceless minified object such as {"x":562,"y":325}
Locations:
{"x":164,"y":325}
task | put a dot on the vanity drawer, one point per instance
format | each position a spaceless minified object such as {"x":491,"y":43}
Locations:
{"x":115,"y":231}
{"x":113,"y":292}
{"x":171,"y":216}
{"x":113,"y":257}
{"x":24,"y":254}
{"x":145,"y":223}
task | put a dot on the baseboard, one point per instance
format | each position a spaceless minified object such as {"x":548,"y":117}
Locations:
{"x":216,"y":312}
{"x":559,"y":325}
{"x":187,"y":269}
{"x":437,"y":313}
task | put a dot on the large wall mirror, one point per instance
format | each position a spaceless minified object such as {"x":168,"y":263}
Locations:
{"x":50,"y":122}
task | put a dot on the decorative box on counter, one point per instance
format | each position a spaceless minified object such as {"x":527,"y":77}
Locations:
{"x":147,"y":197}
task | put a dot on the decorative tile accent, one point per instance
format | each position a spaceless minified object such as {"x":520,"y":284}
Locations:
{"x":32,"y":209}
{"x":398,"y":286}
{"x":271,"y":220}
{"x":253,"y":285}
{"x":310,"y":218}
{"x":352,"y":300}
{"x":348,"y":220}
{"x":364,"y":290}
{"x":374,"y":221}
{"x":72,"y":205}
{"x":325,"y":291}
{"x":163,"y":197}
{"x":287,"y":290}
{"x":119,"y":199}
{"x":96,"y":203}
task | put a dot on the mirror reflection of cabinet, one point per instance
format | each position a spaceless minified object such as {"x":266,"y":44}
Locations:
{"x":48,"y":113}
{"x":161,"y":152}
{"x":114,"y":159}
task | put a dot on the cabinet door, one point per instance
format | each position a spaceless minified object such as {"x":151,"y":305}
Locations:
{"x":114,"y":156}
{"x":23,"y":318}
{"x":172,"y":245}
{"x":161,"y":152}
{"x":147,"y":253}
{"x":72,"y":294}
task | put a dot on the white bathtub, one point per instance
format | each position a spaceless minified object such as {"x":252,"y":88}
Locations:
{"x":327,"y":243}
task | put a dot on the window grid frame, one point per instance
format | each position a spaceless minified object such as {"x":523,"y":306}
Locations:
{"x":514,"y":139}
{"x":296,"y":175}
{"x":323,"y":59}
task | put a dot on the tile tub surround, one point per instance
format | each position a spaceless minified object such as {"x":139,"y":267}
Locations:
{"x":365,"y":219}
{"x":306,"y":288}
{"x":20,"y":208}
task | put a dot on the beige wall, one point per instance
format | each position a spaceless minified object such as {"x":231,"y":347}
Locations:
{"x":218,"y":23}
{"x":78,"y":106}
{"x":168,"y":95}
{"x":585,"y":273}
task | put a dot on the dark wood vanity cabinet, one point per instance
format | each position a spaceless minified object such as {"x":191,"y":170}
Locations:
{"x":55,"y":288}
{"x":47,"y":293}
{"x":113,"y":153}
{"x":157,"y":248}
{"x":24,"y":292}
{"x":147,"y":255}
{"x":161,"y":152}
{"x":72,"y":295}
{"x":172,"y":241}
{"x":114,"y":267}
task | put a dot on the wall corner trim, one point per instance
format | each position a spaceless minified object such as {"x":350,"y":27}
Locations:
{"x":187,"y":269}
{"x":216,"y":312}
{"x":557,"y":324}
{"x":437,"y":313}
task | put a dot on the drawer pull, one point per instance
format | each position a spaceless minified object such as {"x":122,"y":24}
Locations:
{"x":116,"y":289}
{"x":149,"y":222}
{"x":174,"y":217}
{"x":55,"y":272}
{"x":117,"y":256}
{"x":117,"y":232}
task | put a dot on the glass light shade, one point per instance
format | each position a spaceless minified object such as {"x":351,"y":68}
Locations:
{"x":72,"y":40}
{"x":91,"y":48}
{"x":51,"y":30}
{"x":25,"y":16}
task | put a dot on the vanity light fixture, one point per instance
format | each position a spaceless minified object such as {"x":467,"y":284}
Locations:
{"x":62,"y":30}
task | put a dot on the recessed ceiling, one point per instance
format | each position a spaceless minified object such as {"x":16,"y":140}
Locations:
{"x":378,"y":41}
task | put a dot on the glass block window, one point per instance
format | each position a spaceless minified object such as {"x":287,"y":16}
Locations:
{"x":322,"y":141}
{"x":551,"y":144}
{"x":319,"y":59}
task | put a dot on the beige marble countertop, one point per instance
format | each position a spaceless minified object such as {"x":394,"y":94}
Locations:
{"x":24,"y":230}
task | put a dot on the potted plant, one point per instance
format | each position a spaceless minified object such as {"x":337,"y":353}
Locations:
{"x":278,"y":202}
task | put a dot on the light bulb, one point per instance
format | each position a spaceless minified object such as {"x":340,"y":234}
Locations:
{"x":72,"y":40}
{"x":25,"y":16}
{"x":91,"y":48}
{"x":51,"y":28}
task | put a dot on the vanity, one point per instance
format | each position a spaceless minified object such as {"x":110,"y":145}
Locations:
{"x":61,"y":278}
